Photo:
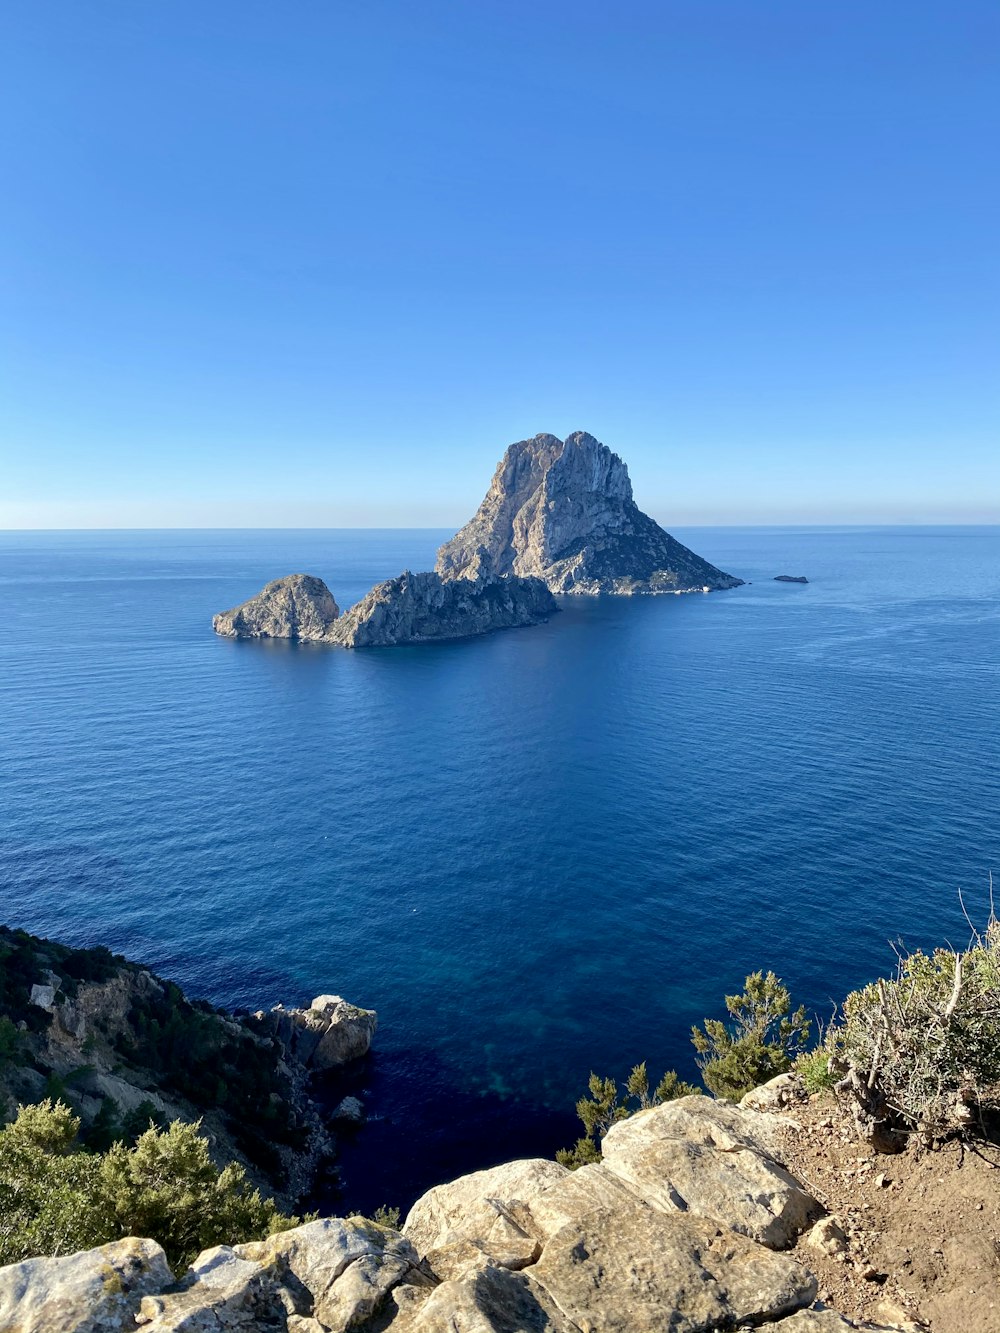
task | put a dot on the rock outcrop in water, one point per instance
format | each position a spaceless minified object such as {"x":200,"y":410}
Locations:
{"x":562,"y":510}
{"x":681,"y":1226}
{"x":298,"y":606}
{"x":413,"y":608}
{"x":422,"y":608}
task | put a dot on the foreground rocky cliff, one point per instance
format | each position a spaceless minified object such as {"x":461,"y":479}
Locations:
{"x":682,"y":1227}
{"x":562,"y":511}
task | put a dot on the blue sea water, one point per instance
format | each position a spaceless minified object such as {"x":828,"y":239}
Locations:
{"x":536,"y":853}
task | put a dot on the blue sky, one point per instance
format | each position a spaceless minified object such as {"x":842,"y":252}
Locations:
{"x":319,"y":262}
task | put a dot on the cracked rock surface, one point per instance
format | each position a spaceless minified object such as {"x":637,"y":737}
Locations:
{"x":681,"y":1228}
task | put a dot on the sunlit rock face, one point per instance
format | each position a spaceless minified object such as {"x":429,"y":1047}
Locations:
{"x":562,"y":511}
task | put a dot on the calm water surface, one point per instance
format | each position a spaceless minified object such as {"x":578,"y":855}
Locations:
{"x":536,"y":853}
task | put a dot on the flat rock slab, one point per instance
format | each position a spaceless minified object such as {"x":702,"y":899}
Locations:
{"x":92,"y":1291}
{"x":489,"y":1208}
{"x":636,"y":1268}
{"x":695,"y":1156}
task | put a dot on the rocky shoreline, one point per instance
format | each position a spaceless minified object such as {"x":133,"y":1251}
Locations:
{"x":122,"y":1046}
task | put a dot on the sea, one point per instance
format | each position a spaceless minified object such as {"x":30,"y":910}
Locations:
{"x":538,"y":853}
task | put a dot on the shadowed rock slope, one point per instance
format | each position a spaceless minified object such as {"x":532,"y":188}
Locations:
{"x":419,"y":608}
{"x":562,"y":510}
{"x":413,"y":608}
{"x":683,"y":1227}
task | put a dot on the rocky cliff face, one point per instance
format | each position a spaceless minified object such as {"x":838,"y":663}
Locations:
{"x":421,"y":608}
{"x":683,"y":1226}
{"x":130,"y":1047}
{"x":298,"y":606}
{"x":562,"y":510}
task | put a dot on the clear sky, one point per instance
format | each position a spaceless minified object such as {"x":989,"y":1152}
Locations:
{"x":317,"y":262}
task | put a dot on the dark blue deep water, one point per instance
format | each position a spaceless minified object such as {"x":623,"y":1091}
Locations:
{"x":536,"y":853}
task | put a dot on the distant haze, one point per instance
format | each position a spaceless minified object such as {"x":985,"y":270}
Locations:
{"x":318,"y":265}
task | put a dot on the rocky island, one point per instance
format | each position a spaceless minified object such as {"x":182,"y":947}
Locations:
{"x":790,"y":578}
{"x":558,"y":518}
{"x":298,"y":606}
{"x":413,"y":608}
{"x":562,"y":510}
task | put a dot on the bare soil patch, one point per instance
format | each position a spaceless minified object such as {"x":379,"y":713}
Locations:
{"x":922,"y":1227}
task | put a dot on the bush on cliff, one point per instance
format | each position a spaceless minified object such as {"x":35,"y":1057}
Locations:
{"x":920,"y":1053}
{"x":604,"y":1107}
{"x":56,"y":1197}
{"x":762,"y":1038}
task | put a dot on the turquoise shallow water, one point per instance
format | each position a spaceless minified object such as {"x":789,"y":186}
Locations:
{"x":535,"y":853}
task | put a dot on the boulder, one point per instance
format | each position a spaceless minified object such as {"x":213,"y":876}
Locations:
{"x":298,"y":606}
{"x":331,"y":1032}
{"x":323,"y":1277}
{"x":489,"y":1209}
{"x":219,"y":1291}
{"x":347,"y":1266}
{"x":696,"y":1156}
{"x":562,"y":511}
{"x":424,"y":608}
{"x":493,"y":1300}
{"x":637,"y":1268}
{"x":93,"y":1291}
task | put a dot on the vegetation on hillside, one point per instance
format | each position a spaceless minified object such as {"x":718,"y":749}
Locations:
{"x":186,"y":1050}
{"x":920,"y":1053}
{"x":56,"y":1197}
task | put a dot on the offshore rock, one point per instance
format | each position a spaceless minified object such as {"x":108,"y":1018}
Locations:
{"x":331,"y":1032}
{"x":790,"y":578}
{"x":298,"y":606}
{"x":562,"y":510}
{"x":422,"y":608}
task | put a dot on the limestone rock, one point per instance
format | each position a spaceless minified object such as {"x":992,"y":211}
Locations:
{"x":778,"y":1094}
{"x":298,"y":606}
{"x":423,"y":608}
{"x":563,"y":511}
{"x":576,"y":1193}
{"x":825,"y":1321}
{"x":493,"y":1300}
{"x":693,"y":1155}
{"x":329,"y":1033}
{"x":637,"y":1268}
{"x":491,"y":1209}
{"x":323,"y":1277}
{"x":88,"y":1292}
{"x":347,"y":1266}
{"x":828,"y":1236}
{"x":219,"y":1291}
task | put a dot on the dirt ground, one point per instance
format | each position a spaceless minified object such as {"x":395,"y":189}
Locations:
{"x":922,"y":1227}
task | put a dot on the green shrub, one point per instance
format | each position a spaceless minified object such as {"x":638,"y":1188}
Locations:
{"x":56,"y":1198}
{"x":813,"y":1067}
{"x":603,"y":1108}
{"x":761,"y":1040}
{"x":921,"y":1053}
